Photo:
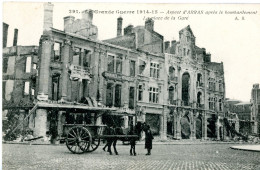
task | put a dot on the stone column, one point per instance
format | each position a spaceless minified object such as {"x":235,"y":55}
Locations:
{"x":65,"y":67}
{"x":126,"y":121}
{"x":178,"y":134}
{"x":61,"y":122}
{"x":44,"y":71}
{"x":205,"y":127}
{"x":40,"y":122}
{"x":217,"y":129}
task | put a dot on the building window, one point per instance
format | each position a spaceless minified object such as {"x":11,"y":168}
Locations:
{"x":26,"y":88}
{"x":119,"y":62}
{"x":140,"y":92}
{"x":211,"y":103}
{"x":132,"y":68}
{"x":109,"y":95}
{"x":220,"y":105}
{"x":55,"y":87}
{"x":35,"y":66}
{"x":188,"y":38}
{"x":171,"y":73}
{"x":154,"y":70}
{"x":3,"y":89}
{"x":118,"y":95}
{"x":131,"y":97}
{"x":188,"y":52}
{"x":28,"y":64}
{"x":57,"y":51}
{"x":171,"y":95}
{"x":142,"y":65}
{"x":110,"y":64}
{"x":114,"y":64}
{"x":86,"y":58}
{"x":5,"y":65}
{"x":184,"y":51}
{"x":153,"y":95}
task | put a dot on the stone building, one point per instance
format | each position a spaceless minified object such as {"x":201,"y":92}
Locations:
{"x":80,"y":75}
{"x":150,"y":72}
{"x":255,"y":111}
{"x":19,"y":70}
{"x":196,"y":90}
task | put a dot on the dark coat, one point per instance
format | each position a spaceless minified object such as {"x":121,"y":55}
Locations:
{"x":148,"y":139}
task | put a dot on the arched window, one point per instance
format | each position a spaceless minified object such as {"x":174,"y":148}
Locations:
{"x":199,"y":80}
{"x":199,"y":98}
{"x":186,"y":88}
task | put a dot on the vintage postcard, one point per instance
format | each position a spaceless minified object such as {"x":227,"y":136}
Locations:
{"x":130,"y":86}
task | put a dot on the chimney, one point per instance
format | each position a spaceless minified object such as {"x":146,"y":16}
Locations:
{"x":87,"y":15}
{"x":128,"y":30}
{"x":48,"y":15}
{"x":149,"y":23}
{"x":67,"y":22}
{"x":5,"y":34}
{"x":15,"y":37}
{"x":166,"y":44}
{"x":119,"y":26}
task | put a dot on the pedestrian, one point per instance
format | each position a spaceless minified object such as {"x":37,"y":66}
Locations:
{"x":132,"y":141}
{"x":148,"y":139}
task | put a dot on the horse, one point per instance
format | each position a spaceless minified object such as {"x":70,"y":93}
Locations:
{"x":134,"y":130}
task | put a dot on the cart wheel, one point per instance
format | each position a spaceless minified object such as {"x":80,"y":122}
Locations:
{"x":94,"y":144}
{"x":78,"y":139}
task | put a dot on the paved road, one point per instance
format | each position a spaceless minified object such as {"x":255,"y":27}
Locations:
{"x":209,"y":157}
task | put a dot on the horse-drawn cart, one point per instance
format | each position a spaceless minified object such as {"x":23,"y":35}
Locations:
{"x":81,"y":138}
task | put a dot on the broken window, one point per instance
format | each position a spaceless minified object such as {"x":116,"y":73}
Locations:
{"x":109,"y":95}
{"x":28,"y":64}
{"x":140,"y":92}
{"x":186,"y":89}
{"x":118,"y":95}
{"x":86,"y":58}
{"x":119,"y":64}
{"x":154,"y":70}
{"x":76,"y":57}
{"x":5,"y":65}
{"x":153,"y":95}
{"x":110,"y":64}
{"x":132,"y":68}
{"x":131,"y":97}
{"x":142,"y":65}
{"x":26,"y":88}
{"x":57,"y":51}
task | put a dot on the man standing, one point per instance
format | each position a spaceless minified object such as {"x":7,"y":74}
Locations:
{"x":148,"y":140}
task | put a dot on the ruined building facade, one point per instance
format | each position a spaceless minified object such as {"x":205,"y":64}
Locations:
{"x":196,"y":90}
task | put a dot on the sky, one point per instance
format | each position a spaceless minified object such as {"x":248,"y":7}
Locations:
{"x":233,"y":42}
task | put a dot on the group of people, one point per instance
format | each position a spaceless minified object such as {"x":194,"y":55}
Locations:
{"x":133,"y":131}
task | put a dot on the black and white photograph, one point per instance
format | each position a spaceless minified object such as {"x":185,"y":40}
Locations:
{"x":130,"y":86}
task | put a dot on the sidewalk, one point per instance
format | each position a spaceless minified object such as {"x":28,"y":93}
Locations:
{"x":255,"y":148}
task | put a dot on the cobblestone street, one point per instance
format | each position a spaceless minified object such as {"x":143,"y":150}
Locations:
{"x":206,"y":156}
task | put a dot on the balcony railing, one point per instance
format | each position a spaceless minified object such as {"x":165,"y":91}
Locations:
{"x":199,"y":105}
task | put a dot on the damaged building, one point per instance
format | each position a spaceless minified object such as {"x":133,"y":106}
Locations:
{"x":196,"y":90}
